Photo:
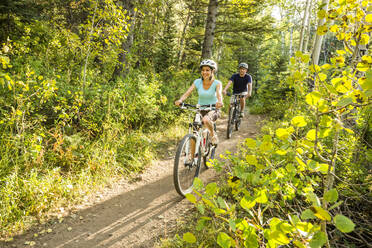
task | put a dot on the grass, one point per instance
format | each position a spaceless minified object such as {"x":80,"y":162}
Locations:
{"x":32,"y":196}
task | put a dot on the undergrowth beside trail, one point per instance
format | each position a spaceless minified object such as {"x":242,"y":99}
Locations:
{"x":36,"y":195}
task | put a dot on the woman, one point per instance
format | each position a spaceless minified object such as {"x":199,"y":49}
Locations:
{"x":209,"y":91}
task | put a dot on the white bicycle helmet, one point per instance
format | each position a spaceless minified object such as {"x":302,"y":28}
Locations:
{"x":243,"y":65}
{"x":210,"y":63}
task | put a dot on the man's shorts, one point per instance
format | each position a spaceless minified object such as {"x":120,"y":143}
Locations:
{"x":213,"y":114}
{"x":241,"y":93}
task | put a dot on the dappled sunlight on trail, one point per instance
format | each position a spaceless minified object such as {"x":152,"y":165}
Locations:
{"x":133,"y":214}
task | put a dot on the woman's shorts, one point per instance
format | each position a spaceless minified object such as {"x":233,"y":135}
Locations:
{"x":213,"y":114}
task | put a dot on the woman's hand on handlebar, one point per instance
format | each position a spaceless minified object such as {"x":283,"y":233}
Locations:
{"x":178,"y":102}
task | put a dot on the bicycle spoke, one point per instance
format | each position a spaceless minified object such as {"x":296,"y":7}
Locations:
{"x":185,"y":168}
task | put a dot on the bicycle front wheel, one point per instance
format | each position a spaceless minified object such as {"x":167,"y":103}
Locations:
{"x":230,"y":123}
{"x":185,"y":167}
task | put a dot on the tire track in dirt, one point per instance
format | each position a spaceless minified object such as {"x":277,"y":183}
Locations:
{"x":128,"y":214}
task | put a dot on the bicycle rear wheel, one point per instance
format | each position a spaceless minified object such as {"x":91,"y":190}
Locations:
{"x":230,"y":122}
{"x":237,"y":118}
{"x":185,"y":169}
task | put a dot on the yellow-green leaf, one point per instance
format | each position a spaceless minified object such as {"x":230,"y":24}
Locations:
{"x":251,"y":159}
{"x":266,"y":146}
{"x":313,"y":98}
{"x":299,"y":121}
{"x":282,"y":133}
{"x":322,"y":30}
{"x":369,"y":18}
{"x":191,"y":198}
{"x":311,"y":135}
{"x":224,"y":240}
{"x":189,"y":238}
{"x":246,"y":203}
{"x":261,"y":197}
{"x":321,"y":213}
{"x":343,"y":223}
{"x":251,"y":143}
{"x":281,"y":152}
{"x":331,"y":196}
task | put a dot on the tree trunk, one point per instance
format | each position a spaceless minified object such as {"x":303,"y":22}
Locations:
{"x":319,"y":38}
{"x":127,"y":45}
{"x":303,"y":26}
{"x":308,"y":29}
{"x":182,"y":40}
{"x":291,"y":43}
{"x":209,"y":29}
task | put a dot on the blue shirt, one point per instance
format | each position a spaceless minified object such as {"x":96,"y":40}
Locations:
{"x":208,"y":96}
{"x":240,"y":83}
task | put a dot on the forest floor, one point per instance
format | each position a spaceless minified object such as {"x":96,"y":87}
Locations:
{"x":136,"y":213}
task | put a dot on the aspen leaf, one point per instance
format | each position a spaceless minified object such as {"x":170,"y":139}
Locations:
{"x":331,"y":196}
{"x":305,"y":58}
{"x":311,"y":135}
{"x":191,"y":198}
{"x":366,"y":83}
{"x":282,"y":133}
{"x":343,"y":223}
{"x":304,"y":226}
{"x":334,"y":28}
{"x":299,"y":121}
{"x":367,"y":59}
{"x":261,"y":197}
{"x":322,"y":14}
{"x":321,"y":213}
{"x":247,"y":203}
{"x":362,"y":67}
{"x":211,"y":189}
{"x":364,"y":39}
{"x":323,"y":168}
{"x":189,"y":238}
{"x":198,"y":183}
{"x":345,"y":101}
{"x":251,"y":143}
{"x":369,"y":18}
{"x":266,"y":146}
{"x":307,"y":214}
{"x":279,"y":237}
{"x":322,"y":30}
{"x":326,"y":66}
{"x":322,"y":77}
{"x":281,"y":152}
{"x":298,"y":244}
{"x":224,"y":240}
{"x":318,"y":240}
{"x":251,"y":159}
{"x":313,"y":98}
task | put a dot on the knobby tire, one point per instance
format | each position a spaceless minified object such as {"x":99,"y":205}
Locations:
{"x":230,"y":122}
{"x":183,"y":176}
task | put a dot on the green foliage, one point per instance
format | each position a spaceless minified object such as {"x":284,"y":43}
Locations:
{"x":287,"y":187}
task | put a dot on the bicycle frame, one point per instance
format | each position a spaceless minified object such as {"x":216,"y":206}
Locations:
{"x":234,"y":119}
{"x":198,"y":129}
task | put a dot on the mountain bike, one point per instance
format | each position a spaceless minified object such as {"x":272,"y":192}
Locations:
{"x":234,"y":113}
{"x":192,"y":148}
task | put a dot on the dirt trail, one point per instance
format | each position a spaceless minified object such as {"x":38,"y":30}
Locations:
{"x":129,"y":214}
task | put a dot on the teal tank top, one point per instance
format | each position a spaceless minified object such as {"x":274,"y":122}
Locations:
{"x":207,"y":96}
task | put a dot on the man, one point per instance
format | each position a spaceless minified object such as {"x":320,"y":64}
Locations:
{"x":242,"y":84}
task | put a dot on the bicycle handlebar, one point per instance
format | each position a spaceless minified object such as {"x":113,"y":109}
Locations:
{"x":199,"y":107}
